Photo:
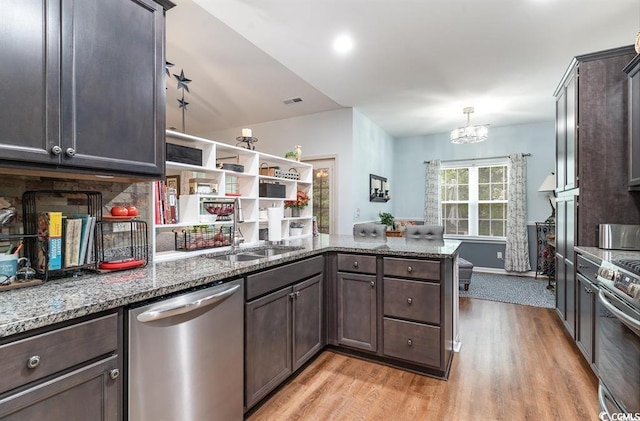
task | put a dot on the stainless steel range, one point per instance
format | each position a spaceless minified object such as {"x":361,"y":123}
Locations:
{"x":618,"y":345}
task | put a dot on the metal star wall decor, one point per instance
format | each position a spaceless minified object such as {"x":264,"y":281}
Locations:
{"x":183,"y":84}
{"x":167,"y":66}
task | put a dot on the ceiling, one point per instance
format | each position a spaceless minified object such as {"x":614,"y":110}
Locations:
{"x":415,"y":63}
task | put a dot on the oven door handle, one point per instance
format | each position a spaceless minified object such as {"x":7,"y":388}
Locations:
{"x":603,"y":403}
{"x":629,"y":321}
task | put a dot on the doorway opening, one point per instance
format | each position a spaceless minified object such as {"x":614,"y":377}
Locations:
{"x":323,"y":193}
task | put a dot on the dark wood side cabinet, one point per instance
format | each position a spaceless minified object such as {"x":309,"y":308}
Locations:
{"x":357,"y":296}
{"x":633,"y":72}
{"x":586,"y":298}
{"x":85,"y":86}
{"x":65,"y":373}
{"x":284,"y":328}
{"x":591,"y":162}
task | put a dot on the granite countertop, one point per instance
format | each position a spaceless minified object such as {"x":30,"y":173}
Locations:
{"x":67,"y":298}
{"x":599,"y":255}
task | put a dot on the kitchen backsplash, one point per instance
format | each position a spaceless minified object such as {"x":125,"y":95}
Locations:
{"x":12,"y":188}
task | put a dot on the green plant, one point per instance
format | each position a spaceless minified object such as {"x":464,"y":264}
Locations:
{"x":290,"y":154}
{"x":386,"y":218}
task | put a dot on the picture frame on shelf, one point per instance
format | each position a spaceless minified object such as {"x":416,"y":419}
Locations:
{"x":173,"y":182}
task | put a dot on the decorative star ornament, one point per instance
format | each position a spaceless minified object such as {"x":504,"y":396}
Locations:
{"x":183,"y":82}
{"x":183,"y":103}
{"x":167,"y":66}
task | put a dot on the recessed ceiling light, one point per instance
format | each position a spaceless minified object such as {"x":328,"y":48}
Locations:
{"x":342,"y":44}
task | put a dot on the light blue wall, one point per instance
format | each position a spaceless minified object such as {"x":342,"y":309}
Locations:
{"x":410,"y":154}
{"x":372,"y":154}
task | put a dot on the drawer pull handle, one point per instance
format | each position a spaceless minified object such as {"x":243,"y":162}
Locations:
{"x":582,"y":266}
{"x":372,"y":283}
{"x":409,"y":269}
{"x":114,"y":374}
{"x":33,"y":361}
{"x":409,"y":300}
{"x":355,"y":264}
{"x":409,"y":342}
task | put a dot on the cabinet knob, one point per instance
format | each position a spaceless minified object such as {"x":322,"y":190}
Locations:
{"x":70,"y":152}
{"x":409,"y":300}
{"x":372,"y":283}
{"x":114,"y":374}
{"x":355,"y":264}
{"x":582,"y":266}
{"x":588,"y":290}
{"x":409,"y":342}
{"x":56,"y":150}
{"x":33,"y":361}
{"x":409,"y":269}
{"x":292,"y":295}
{"x":297,"y":294}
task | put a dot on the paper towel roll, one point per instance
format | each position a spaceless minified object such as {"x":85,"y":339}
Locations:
{"x":275,"y":224}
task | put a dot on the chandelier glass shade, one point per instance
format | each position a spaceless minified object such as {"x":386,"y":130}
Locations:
{"x":469,"y":133}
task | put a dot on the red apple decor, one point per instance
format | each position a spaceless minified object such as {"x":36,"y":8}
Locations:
{"x":119,"y":211}
{"x":132,"y":211}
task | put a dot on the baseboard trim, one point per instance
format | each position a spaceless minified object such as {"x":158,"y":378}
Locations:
{"x":498,"y":271}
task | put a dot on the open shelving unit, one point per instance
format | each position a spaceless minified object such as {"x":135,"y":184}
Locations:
{"x":247,"y":192}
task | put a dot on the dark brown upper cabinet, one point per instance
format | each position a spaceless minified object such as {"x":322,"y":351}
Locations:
{"x":83,"y":88}
{"x":633,"y":72}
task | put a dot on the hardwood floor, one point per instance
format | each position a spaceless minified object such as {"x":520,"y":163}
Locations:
{"x":516,"y":363}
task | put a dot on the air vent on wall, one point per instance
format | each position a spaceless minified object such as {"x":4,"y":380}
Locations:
{"x":292,"y":100}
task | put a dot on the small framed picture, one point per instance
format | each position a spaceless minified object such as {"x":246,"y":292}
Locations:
{"x":173,"y":182}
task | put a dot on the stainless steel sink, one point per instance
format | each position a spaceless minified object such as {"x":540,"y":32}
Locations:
{"x":271,"y":251}
{"x":239,"y":257}
{"x":249,"y":255}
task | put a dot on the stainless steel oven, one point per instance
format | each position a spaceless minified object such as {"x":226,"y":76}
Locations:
{"x":618,"y":344}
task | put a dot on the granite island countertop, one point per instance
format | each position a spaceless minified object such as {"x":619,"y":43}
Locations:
{"x":599,"y":255}
{"x":64,"y":299}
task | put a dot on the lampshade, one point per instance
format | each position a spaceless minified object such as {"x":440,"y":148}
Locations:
{"x":549,"y":183}
{"x":469,"y":133}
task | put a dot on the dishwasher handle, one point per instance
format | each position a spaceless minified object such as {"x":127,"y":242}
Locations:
{"x":152,"y":315}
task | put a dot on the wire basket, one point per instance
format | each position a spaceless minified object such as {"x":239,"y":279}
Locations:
{"x":121,"y":245}
{"x":203,"y":237}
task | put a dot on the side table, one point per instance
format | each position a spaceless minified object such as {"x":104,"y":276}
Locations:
{"x":545,"y":251}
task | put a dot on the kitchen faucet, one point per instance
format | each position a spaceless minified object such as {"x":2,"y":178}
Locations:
{"x":238,"y":238}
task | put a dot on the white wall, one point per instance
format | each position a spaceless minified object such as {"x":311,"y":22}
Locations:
{"x":410,"y":154}
{"x":321,"y":134}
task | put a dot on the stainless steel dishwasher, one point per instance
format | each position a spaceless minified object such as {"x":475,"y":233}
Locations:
{"x":186,"y":357}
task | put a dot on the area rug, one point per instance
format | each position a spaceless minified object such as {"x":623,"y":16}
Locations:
{"x":510,"y":289}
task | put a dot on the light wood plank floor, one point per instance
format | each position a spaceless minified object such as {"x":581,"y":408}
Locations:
{"x":515,"y":364}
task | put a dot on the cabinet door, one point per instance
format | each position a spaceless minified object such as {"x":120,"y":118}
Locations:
{"x":307,"y":320}
{"x":357,"y":310}
{"x":561,"y":287}
{"x":561,"y":139}
{"x":88,"y":393}
{"x":30,"y":74}
{"x":634,"y":127}
{"x":585,"y":309}
{"x":268,"y":344}
{"x":570,"y":296}
{"x":571,"y":149}
{"x":113,"y":87}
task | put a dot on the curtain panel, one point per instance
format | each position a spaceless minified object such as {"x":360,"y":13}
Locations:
{"x":432,"y":203}
{"x":516,"y":256}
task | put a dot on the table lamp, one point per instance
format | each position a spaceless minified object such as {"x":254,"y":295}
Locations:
{"x":549,"y":185}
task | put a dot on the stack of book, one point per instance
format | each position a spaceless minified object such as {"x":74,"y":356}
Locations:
{"x":66,"y":240}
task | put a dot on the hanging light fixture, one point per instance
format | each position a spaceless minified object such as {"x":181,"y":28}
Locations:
{"x":469,"y":133}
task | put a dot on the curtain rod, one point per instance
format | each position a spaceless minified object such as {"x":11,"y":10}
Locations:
{"x":477,"y":159}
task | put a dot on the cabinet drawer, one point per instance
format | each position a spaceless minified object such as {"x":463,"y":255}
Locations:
{"x":356,"y":263}
{"x":587,"y":268}
{"x":410,"y":268}
{"x":57,"y":350}
{"x":411,"y":341}
{"x":274,"y":279}
{"x":413,"y":300}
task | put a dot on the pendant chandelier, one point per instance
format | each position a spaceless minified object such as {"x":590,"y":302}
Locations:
{"x":469,"y":133}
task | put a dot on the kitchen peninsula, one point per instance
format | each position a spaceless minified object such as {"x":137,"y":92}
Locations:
{"x":413,"y":331}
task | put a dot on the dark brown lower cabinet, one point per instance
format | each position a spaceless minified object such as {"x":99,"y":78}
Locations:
{"x":88,"y":393}
{"x":586,"y":301}
{"x":357,"y":311}
{"x":68,"y":372}
{"x":283,"y":331}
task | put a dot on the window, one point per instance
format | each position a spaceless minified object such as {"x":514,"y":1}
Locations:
{"x":474,"y":199}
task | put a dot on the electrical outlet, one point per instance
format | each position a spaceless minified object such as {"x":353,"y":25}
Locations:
{"x":357,"y":213}
{"x":500,"y":255}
